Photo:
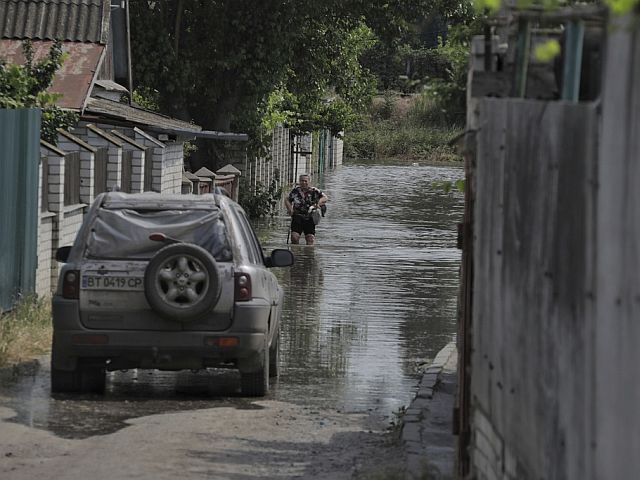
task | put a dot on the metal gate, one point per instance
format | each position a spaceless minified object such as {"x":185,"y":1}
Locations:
{"x":19,"y":161}
{"x":100,"y":171}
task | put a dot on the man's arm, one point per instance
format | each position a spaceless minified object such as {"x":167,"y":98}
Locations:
{"x":287,"y":204}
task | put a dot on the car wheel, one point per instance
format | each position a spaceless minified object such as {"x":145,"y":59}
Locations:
{"x":256,"y":384}
{"x":92,"y":379}
{"x":82,"y":380}
{"x":63,"y":381}
{"x":274,"y":356}
{"x":181,"y":282}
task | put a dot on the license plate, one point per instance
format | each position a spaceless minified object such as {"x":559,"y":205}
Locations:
{"x":111,"y":282}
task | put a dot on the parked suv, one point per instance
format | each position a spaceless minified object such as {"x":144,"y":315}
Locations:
{"x":165,"y":282}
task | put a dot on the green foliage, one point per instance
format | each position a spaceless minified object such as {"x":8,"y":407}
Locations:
{"x":622,"y":6}
{"x":448,"y":93}
{"x":385,"y":139}
{"x":244,"y":66}
{"x":401,"y":127}
{"x":404,"y":68}
{"x":616,"y":6}
{"x":147,"y":99}
{"x":25,"y":86}
{"x":547,"y":51}
{"x":447,"y":186}
{"x":260,"y":201}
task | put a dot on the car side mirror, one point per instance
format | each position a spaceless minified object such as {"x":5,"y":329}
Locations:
{"x":280,"y":257}
{"x":62,"y":254}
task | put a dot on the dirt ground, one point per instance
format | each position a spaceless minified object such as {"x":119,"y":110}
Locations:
{"x":275,"y":440}
{"x":261,"y":439}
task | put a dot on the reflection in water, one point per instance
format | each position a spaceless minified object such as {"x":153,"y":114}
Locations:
{"x":376,"y":295}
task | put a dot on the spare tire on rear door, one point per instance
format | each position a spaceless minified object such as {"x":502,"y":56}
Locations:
{"x":182,"y":282}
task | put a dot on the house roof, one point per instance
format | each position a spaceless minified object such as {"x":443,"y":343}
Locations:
{"x":65,"y":20}
{"x":82,"y":26}
{"x":144,"y":118}
{"x":73,"y":79}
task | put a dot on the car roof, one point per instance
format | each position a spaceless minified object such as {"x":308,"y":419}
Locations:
{"x":160,"y":201}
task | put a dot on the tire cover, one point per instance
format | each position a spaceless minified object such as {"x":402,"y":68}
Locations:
{"x":181,"y":282}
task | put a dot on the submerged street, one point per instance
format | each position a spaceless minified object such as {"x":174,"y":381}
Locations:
{"x":376,"y":296}
{"x":367,"y":306}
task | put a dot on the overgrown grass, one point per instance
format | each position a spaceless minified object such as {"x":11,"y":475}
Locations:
{"x":25,"y":331}
{"x":405,"y":128}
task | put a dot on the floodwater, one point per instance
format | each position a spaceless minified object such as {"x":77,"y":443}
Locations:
{"x":376,"y":296}
{"x":365,"y":307}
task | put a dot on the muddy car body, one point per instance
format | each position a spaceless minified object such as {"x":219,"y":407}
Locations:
{"x":165,"y":282}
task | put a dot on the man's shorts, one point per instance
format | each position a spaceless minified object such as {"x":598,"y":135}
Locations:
{"x":303,"y":223}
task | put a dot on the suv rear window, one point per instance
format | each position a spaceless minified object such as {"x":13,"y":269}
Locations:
{"x":124,"y":233}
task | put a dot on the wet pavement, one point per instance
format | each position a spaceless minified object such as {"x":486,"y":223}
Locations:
{"x":366,"y":309}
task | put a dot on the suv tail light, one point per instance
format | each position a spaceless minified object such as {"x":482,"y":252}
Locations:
{"x":71,"y":284}
{"x":242,"y":287}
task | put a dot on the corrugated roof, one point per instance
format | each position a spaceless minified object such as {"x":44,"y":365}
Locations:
{"x":73,"y":79}
{"x":66,"y":20}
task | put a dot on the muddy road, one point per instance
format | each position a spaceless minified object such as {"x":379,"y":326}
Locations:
{"x":365,"y":307}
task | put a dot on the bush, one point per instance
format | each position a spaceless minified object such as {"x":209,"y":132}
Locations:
{"x":374,"y":140}
{"x":260,"y":201}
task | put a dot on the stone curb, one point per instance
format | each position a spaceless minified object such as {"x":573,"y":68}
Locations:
{"x":427,"y":424}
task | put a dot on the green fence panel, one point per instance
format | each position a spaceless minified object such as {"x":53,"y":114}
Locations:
{"x":19,"y":160}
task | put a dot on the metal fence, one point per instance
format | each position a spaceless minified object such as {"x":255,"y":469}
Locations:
{"x":19,"y":160}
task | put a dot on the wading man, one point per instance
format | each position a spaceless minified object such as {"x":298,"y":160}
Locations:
{"x":301,"y":204}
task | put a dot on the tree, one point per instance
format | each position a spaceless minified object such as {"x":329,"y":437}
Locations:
{"x":220,"y":62}
{"x":25,"y":86}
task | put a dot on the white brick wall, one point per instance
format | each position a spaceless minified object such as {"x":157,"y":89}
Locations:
{"x":45,"y":254}
{"x":173,"y":166}
{"x":491,"y":458}
{"x":137,"y":171}
{"x":157,"y":158}
{"x":70,"y":224}
{"x":114,"y":168}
